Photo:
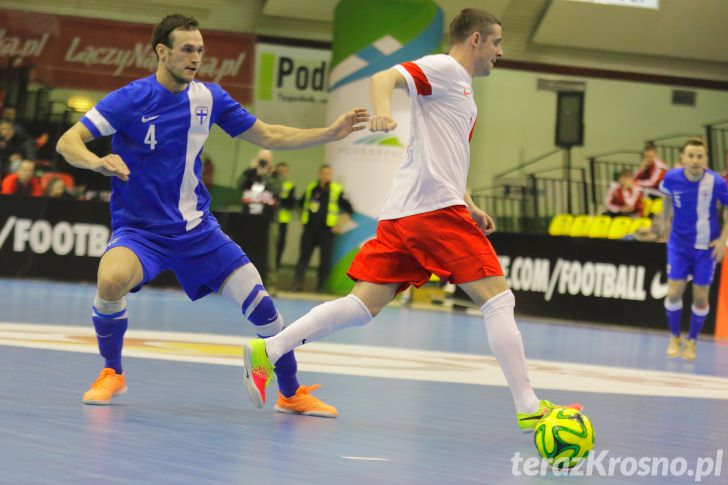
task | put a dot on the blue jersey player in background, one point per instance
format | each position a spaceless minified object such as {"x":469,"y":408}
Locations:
{"x":696,"y":240}
{"x":160,"y":209}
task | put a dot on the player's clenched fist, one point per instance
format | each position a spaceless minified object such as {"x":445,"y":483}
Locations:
{"x":113,"y":166}
{"x":383,"y":123}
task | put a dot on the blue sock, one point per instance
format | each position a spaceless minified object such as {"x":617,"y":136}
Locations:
{"x":110,"y":330}
{"x":697,"y":319}
{"x":266,"y":315}
{"x":674,"y":315}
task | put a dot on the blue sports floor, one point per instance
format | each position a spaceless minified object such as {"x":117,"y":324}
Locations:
{"x":420,"y":397}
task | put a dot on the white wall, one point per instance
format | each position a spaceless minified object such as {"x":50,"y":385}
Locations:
{"x":516,"y":122}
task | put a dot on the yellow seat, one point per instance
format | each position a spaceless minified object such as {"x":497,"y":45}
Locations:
{"x":646,"y":205}
{"x":656,"y":208}
{"x":600,"y":227}
{"x":581,"y":226}
{"x":434,"y":278}
{"x":640,"y":223}
{"x":561,"y":225}
{"x":620,"y":227}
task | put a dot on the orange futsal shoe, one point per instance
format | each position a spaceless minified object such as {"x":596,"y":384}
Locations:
{"x":108,"y":385}
{"x":304,"y":403}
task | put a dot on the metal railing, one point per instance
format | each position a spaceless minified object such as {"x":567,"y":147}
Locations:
{"x":550,"y":195}
{"x":527,"y":163}
{"x":716,"y":135}
{"x":507,"y":211}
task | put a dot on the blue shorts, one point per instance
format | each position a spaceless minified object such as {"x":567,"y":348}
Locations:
{"x":682,"y":261}
{"x":202,"y":259}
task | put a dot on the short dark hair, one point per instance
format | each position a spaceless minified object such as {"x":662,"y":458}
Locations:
{"x":281,"y":164}
{"x":470,"y":20}
{"x":694,"y":142}
{"x":170,"y":23}
{"x":325,"y":165}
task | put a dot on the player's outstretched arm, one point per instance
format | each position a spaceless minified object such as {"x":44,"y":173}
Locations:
{"x":280,"y":137}
{"x":72,"y":147}
{"x":719,"y":244}
{"x":381,"y":89}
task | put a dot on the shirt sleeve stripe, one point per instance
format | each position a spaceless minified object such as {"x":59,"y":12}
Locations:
{"x":424,"y":88}
{"x":101,"y":123}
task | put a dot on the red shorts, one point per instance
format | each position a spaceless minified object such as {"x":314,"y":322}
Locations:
{"x":446,"y":242}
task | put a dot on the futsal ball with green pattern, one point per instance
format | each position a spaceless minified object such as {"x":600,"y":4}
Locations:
{"x":564,"y":436}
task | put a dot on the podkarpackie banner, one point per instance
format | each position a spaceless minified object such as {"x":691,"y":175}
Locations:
{"x":291,"y":84}
{"x":103,"y":55}
{"x":397,"y":31}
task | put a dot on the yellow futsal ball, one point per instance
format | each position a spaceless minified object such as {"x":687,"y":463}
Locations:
{"x":564,"y":436}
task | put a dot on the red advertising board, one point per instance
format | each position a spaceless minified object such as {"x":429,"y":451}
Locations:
{"x":84,"y":53}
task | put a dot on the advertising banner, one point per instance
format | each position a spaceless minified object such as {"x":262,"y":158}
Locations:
{"x":64,"y":239}
{"x":291,"y":84}
{"x":597,"y":280}
{"x":103,"y":55}
{"x":396,"y":31}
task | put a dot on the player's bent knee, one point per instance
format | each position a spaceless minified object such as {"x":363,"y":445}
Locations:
{"x":700,"y":303}
{"x":112,"y":285}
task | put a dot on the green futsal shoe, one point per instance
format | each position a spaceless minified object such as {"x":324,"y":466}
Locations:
{"x":527,"y":422}
{"x":258,"y":371}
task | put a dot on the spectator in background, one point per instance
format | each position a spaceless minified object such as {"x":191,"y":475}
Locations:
{"x":57,"y":189}
{"x":13,"y":147}
{"x":623,"y":198}
{"x":23,"y":182}
{"x":286,"y":202}
{"x":651,"y":172}
{"x":263,"y":159}
{"x":208,"y":172}
{"x":258,"y":186}
{"x":10,"y":113}
{"x":322,"y":202}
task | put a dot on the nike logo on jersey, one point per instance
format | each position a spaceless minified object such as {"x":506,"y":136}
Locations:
{"x":146,"y":119}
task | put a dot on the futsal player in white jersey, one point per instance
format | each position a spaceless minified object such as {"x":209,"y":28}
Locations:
{"x":160,"y":209}
{"x":696,"y":241}
{"x":428,"y":224}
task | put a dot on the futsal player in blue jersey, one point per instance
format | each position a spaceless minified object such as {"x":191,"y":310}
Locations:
{"x":696,"y":240}
{"x":160,"y":209}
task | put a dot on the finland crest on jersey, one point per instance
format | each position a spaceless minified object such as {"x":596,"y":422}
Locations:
{"x":160,"y":135}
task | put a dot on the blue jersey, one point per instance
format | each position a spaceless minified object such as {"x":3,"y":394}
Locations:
{"x":160,"y":135}
{"x":695,"y":221}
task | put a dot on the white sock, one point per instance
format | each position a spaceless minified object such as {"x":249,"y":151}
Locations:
{"x":239,"y":286}
{"x":322,"y":320}
{"x":105,"y":307}
{"x":507,"y":346}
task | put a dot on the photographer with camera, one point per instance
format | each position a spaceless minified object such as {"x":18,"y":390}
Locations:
{"x":259,"y":188}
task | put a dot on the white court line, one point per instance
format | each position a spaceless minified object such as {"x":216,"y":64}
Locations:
{"x":365,"y":458}
{"x":379,"y":362}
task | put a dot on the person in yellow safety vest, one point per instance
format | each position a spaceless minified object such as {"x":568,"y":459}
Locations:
{"x":322,"y":203}
{"x":286,"y":202}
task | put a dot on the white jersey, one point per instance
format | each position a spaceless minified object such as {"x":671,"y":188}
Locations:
{"x":435,"y":172}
